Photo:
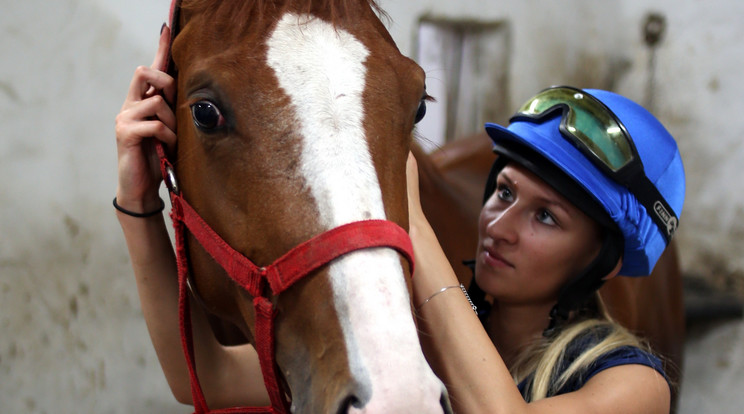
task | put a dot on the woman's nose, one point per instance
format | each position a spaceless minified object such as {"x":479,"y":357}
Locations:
{"x":504,"y":225}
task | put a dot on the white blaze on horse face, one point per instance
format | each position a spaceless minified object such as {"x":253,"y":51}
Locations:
{"x":321,"y":68}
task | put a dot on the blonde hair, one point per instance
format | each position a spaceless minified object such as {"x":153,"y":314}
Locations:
{"x":543,"y":359}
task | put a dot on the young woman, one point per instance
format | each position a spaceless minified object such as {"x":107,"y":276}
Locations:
{"x":587,"y":185}
{"x":557,"y":222}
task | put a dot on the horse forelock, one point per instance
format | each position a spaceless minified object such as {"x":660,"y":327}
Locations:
{"x":236,"y":12}
{"x":244,"y":22}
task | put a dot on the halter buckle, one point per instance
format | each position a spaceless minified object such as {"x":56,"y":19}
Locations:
{"x":170,"y":180}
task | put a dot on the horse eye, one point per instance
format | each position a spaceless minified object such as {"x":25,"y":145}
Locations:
{"x":206,"y":115}
{"x":421,"y":112}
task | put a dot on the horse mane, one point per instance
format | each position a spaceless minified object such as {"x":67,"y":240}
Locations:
{"x":258,"y":10}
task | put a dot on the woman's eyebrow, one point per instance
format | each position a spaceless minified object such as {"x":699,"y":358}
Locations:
{"x":554,"y":199}
{"x":505,"y":176}
{"x":557,"y":203}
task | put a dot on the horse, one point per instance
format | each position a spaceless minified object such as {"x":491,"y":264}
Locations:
{"x":288,"y":187}
{"x":452,"y":179}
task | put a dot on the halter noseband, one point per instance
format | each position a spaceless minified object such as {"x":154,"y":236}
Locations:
{"x":260,"y":282}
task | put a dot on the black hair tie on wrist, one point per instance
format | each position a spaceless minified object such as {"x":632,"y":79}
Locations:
{"x":140,"y":215}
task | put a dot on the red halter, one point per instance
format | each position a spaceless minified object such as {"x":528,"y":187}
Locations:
{"x":278,"y":276}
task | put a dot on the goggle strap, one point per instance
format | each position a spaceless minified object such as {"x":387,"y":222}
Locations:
{"x":656,"y":206}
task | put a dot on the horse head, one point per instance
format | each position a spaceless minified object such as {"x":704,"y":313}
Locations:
{"x":295,"y":118}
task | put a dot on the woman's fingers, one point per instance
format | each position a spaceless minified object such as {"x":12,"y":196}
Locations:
{"x":162,"y":56}
{"x":150,"y":81}
{"x":412,"y":180}
{"x":153,"y":109}
{"x":412,"y":175}
{"x":156,"y":107}
{"x":146,"y":81}
{"x":136,"y":132}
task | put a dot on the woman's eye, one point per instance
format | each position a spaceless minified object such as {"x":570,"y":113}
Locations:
{"x":544,"y":216}
{"x":504,"y":193}
{"x":206,"y":115}
{"x":421,"y":111}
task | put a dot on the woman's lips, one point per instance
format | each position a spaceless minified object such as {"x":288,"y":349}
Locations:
{"x":493,"y":259}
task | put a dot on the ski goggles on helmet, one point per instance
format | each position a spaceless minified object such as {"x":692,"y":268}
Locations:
{"x":597,"y":132}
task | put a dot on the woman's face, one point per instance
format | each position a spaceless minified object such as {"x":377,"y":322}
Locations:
{"x":531,"y":240}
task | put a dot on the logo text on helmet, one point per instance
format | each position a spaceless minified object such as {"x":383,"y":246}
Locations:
{"x":669,"y":220}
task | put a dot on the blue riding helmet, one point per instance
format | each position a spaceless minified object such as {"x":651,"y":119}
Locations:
{"x":598,"y":138}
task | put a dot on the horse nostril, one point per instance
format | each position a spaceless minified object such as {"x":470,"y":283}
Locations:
{"x":348,"y":403}
{"x":445,"y":403}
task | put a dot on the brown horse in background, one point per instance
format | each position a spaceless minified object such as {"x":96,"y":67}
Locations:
{"x":295,"y":120}
{"x":452,"y":180}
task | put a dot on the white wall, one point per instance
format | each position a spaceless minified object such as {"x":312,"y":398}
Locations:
{"x":72,"y":339}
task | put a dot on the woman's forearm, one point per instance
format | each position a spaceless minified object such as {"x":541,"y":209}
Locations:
{"x":453,"y":339}
{"x":154,"y":265}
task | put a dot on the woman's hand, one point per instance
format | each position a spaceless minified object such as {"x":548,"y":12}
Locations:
{"x":433,"y":271}
{"x":145,"y":116}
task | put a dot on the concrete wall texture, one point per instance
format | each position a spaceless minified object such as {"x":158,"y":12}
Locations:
{"x":72,"y":338}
